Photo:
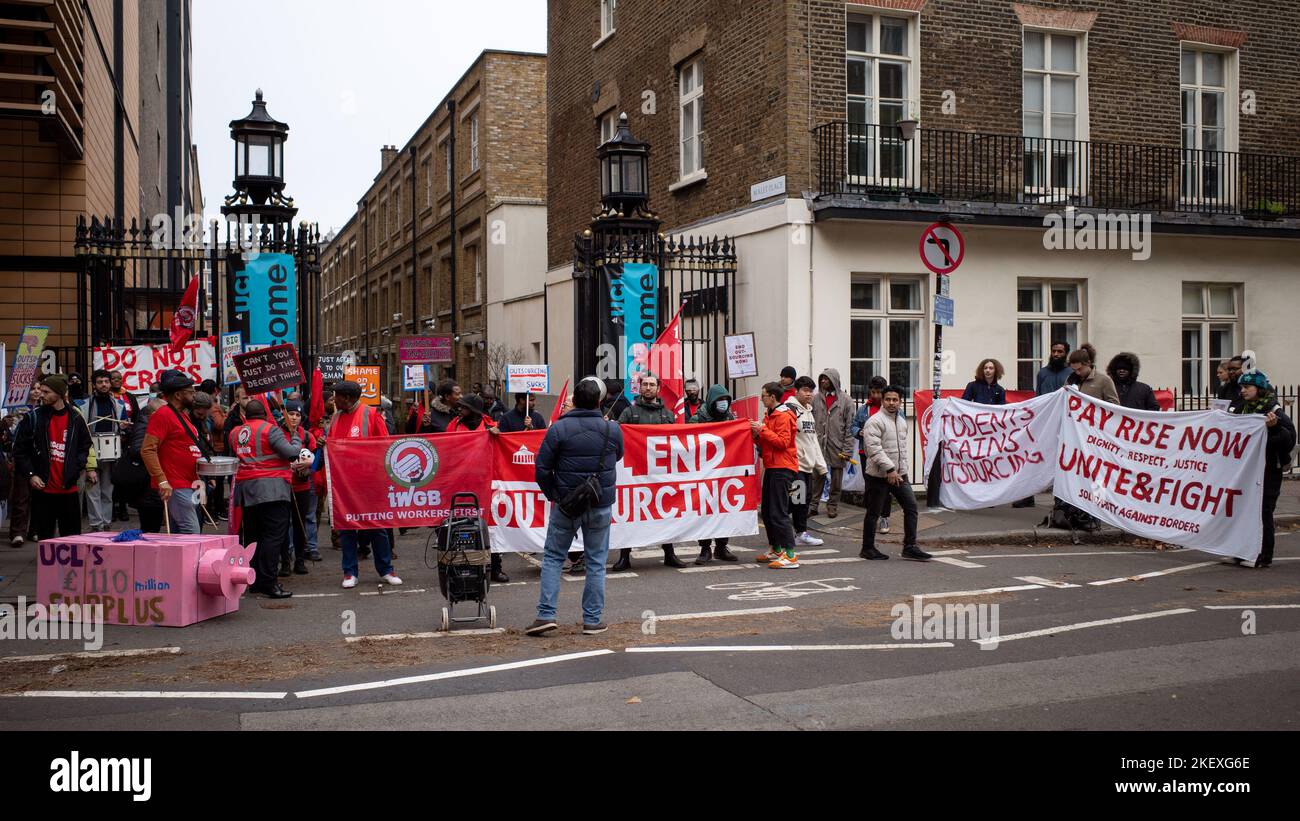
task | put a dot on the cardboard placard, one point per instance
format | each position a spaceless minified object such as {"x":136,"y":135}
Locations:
{"x":413,"y":377}
{"x":528,"y":378}
{"x":331,"y":366}
{"x":429,"y":349}
{"x":369,"y":377}
{"x":270,"y":369}
{"x":742,"y":360}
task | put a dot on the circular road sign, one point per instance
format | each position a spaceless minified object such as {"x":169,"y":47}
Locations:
{"x":942,"y":248}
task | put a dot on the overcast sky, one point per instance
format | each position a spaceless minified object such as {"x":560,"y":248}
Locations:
{"x":347,"y":77}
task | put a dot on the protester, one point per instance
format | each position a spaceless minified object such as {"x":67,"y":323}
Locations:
{"x":875,"y":387}
{"x":318,"y":476}
{"x":51,"y":450}
{"x":1123,"y":371}
{"x":471,"y":414}
{"x":106,"y":418}
{"x":647,"y":410}
{"x":1230,"y":389}
{"x":441,"y":410}
{"x":1056,"y":372}
{"x":579,"y":447}
{"x":833,"y":410}
{"x":235,"y":416}
{"x":132,"y":475}
{"x":21,"y":526}
{"x":692,"y":400}
{"x":266,"y":459}
{"x":201,"y":417}
{"x":386,"y":411}
{"x":171,"y":452}
{"x":716,"y":407}
{"x":884,"y":438}
{"x":522,"y":416}
{"x":216,"y":424}
{"x":1221,"y":374}
{"x":76,"y":390}
{"x":1091,"y":381}
{"x":303,"y":518}
{"x":788,"y":375}
{"x":985,"y":389}
{"x":778,"y":447}
{"x":1257,"y":396}
{"x":495,"y":410}
{"x":352,"y":420}
{"x":812,"y":459}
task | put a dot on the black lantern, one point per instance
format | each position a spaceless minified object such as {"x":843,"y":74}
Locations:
{"x":624,"y":171}
{"x":259,"y":166}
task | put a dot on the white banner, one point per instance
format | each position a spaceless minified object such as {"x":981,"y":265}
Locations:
{"x":1194,"y":479}
{"x":995,"y":454}
{"x":141,"y":364}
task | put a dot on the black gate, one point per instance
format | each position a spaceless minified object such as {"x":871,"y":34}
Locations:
{"x":696,"y":274}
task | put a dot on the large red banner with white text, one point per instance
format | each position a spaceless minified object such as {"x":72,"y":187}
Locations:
{"x":405,"y":481}
{"x":675,"y":483}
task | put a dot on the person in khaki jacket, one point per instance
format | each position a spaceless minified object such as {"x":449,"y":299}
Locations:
{"x":884,"y":440}
{"x":833,"y":410}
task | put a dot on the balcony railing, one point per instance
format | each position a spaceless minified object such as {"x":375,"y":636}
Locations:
{"x":945,"y":166}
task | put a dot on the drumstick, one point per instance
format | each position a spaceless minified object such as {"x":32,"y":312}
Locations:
{"x":167,"y":519}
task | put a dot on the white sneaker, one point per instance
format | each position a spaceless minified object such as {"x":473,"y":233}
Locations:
{"x":882,"y":526}
{"x":349,"y":582}
{"x":807,"y":539}
{"x":392,"y":579}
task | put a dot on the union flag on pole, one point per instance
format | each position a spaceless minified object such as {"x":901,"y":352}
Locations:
{"x":186,"y":312}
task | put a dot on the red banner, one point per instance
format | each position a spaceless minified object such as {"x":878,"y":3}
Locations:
{"x":405,"y":481}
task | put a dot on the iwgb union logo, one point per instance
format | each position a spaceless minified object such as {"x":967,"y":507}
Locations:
{"x":411,"y":463}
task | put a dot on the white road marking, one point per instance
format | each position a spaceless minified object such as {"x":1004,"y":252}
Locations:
{"x":141,"y":694}
{"x":955,"y":562}
{"x":1286,"y":559}
{"x":507,"y":584}
{"x":832,"y":561}
{"x":391,"y":592}
{"x":1251,"y":606}
{"x":472,"y":671}
{"x":627,"y":575}
{"x":948,"y":552}
{"x":1045,"y":582}
{"x":94,"y":654}
{"x":777,"y":648}
{"x":1082,"y":625}
{"x":683,"y":551}
{"x":315,"y":595}
{"x":432,"y":635}
{"x":720,"y":614}
{"x":988,"y":592}
{"x":1088,"y":553}
{"x":712,"y":568}
{"x":1153,"y":574}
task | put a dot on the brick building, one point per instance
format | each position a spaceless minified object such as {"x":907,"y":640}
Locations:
{"x":499,"y":231}
{"x":80,"y":137}
{"x":778,"y":124}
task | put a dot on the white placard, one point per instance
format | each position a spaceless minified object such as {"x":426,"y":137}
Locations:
{"x":413,"y":378}
{"x":528,"y":378}
{"x":742,"y":360}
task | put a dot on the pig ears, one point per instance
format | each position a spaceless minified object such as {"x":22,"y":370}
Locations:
{"x":246,"y":552}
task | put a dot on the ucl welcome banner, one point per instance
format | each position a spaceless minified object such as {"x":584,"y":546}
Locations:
{"x":634,"y":307}
{"x":405,"y":481}
{"x":995,"y":454}
{"x":141,"y":365}
{"x":266,"y":296}
{"x":1194,"y":479}
{"x":675,"y":483}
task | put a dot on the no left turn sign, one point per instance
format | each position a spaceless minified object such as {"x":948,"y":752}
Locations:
{"x":942,"y":248}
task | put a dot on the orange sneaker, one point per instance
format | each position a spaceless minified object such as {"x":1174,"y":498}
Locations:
{"x":768,"y":557}
{"x":785,"y":562}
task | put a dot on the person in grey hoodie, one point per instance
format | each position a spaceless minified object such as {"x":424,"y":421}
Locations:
{"x":716,"y":408}
{"x":833,"y":410}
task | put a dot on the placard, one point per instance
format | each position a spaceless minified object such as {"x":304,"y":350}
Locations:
{"x":413,"y":377}
{"x":231,"y":344}
{"x":528,"y":378}
{"x":332,"y":366}
{"x":369,"y":378}
{"x":429,"y":349}
{"x":142,"y":365}
{"x":742,"y":360}
{"x":27,"y":359}
{"x":270,"y":369}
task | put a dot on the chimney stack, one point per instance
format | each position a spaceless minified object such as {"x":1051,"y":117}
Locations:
{"x":387,"y":154}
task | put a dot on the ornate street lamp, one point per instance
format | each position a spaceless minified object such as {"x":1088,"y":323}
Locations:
{"x":624,"y":173}
{"x":259,"y":167}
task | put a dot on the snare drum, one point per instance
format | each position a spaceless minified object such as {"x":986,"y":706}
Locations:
{"x":108,"y":447}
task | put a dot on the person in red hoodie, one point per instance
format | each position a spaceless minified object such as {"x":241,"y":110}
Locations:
{"x":353,"y":420}
{"x":775,"y":436}
{"x":472,"y":415}
{"x":303,"y":521}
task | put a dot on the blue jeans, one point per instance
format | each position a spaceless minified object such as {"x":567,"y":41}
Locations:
{"x":560,"y":532}
{"x":379,"y":545}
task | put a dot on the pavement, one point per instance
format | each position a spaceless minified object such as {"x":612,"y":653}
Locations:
{"x":1111,"y":633}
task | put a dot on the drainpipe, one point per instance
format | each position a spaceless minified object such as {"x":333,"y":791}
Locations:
{"x":451,"y":184}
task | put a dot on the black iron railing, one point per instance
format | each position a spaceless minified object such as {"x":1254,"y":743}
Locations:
{"x":935,"y":166}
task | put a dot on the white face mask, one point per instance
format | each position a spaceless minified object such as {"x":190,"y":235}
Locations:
{"x":723,"y":404}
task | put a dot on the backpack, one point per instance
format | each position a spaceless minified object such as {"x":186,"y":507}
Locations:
{"x":1065,"y":516}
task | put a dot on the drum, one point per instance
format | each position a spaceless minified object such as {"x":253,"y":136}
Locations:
{"x":219,"y":466}
{"x":108,"y":447}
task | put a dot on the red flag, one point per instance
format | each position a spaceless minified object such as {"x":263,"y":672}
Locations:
{"x":666,"y":360}
{"x":183,"y":319}
{"x":564,"y":394}
{"x":317,"y":410}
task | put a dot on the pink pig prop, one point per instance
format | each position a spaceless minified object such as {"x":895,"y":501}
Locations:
{"x":168,"y":580}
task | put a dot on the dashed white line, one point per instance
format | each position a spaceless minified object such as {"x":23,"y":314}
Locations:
{"x":1083,"y":625}
{"x":473,"y":671}
{"x":94,"y":654}
{"x":832,"y":561}
{"x":719,"y":614}
{"x":1087,"y":553}
{"x":987,"y":592}
{"x":391,"y":592}
{"x":141,"y":694}
{"x":783,"y":648}
{"x":430,"y":635}
{"x":315,"y":595}
{"x":955,"y":562}
{"x":1252,"y":606}
{"x":1045,"y":582}
{"x":1153,"y":574}
{"x":627,"y":575}
{"x":714,"y":568}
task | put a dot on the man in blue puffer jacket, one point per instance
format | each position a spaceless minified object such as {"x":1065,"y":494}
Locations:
{"x":580,"y":443}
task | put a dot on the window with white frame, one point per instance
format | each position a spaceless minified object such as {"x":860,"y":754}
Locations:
{"x":476,"y":265}
{"x":1205,"y":80}
{"x":608,"y":10}
{"x":608,"y":127}
{"x":887,"y":318}
{"x":1054,"y":88}
{"x":690,"y":84}
{"x":1212,"y":332}
{"x":473,"y":142}
{"x":1046,"y":313}
{"x":878,"y":66}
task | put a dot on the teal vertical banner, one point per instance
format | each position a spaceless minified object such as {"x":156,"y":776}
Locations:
{"x":636,"y":295}
{"x":266,"y":293}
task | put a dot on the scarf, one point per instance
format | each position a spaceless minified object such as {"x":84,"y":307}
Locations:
{"x":1261,"y":404}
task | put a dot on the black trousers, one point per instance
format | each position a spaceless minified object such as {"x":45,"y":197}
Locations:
{"x":20,"y":500}
{"x":879,"y":489}
{"x":61,"y":510}
{"x":267,"y":524}
{"x":302,"y":502}
{"x":776,"y":507}
{"x":1270,"y":505}
{"x":799,"y":511}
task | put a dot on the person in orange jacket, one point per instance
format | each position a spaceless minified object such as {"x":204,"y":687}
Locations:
{"x":775,"y":436}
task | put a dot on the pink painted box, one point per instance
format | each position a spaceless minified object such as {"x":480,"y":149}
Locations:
{"x":168,"y":580}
